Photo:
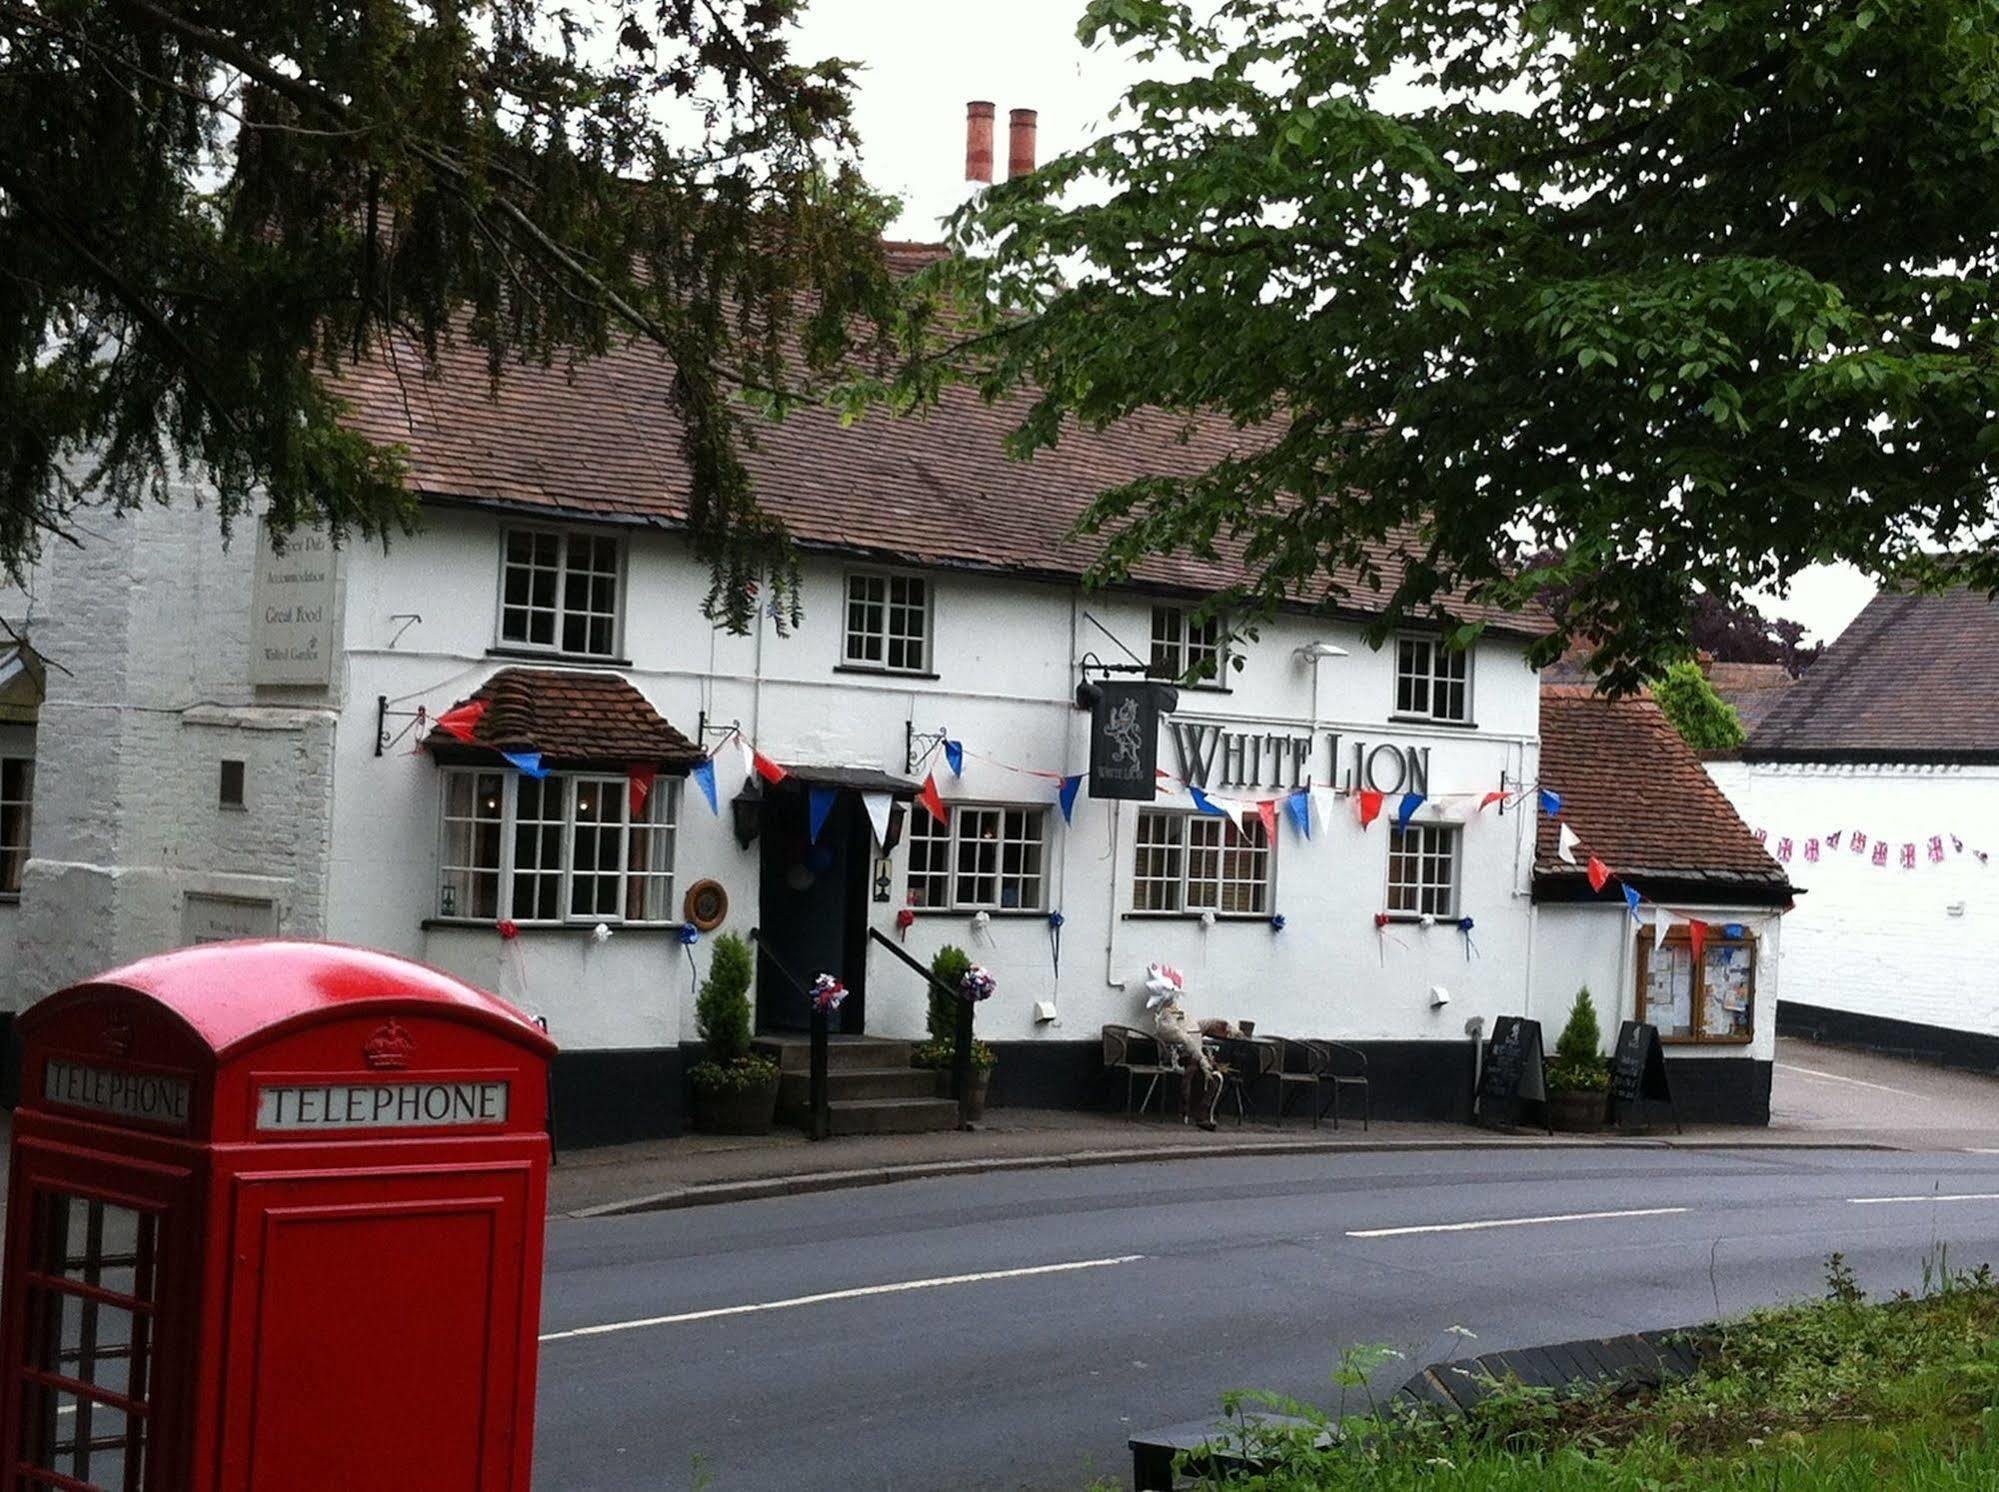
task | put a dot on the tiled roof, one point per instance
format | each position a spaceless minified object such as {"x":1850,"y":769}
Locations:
{"x":599,"y":440}
{"x":573,"y":718}
{"x":1638,"y":798}
{"x":1753,"y":688}
{"x":1914,"y":678}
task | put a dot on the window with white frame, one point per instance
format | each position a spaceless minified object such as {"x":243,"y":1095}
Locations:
{"x":987,"y":859}
{"x":17,"y":794}
{"x":1184,"y":647}
{"x":1432,"y":682}
{"x":553,"y":849}
{"x":1423,"y":871}
{"x":1188,"y":862}
{"x":560,"y":591}
{"x":888,"y":623}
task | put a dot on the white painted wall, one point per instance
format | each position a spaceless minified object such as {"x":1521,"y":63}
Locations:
{"x":1597,"y":946}
{"x":1913,"y":945}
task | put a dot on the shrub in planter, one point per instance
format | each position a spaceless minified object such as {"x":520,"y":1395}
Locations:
{"x":735,"y":1093}
{"x":1579,"y":1075}
{"x":949,"y":967}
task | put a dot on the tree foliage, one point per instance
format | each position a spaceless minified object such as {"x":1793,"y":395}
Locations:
{"x":1728,"y":632}
{"x":1705,"y":720}
{"x":1697,"y":294}
{"x":205,"y":207}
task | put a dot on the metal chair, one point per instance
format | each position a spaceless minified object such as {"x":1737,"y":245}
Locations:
{"x":1298,"y":1067}
{"x":1333,"y":1057}
{"x":1243,"y":1062}
{"x":1138,"y":1053}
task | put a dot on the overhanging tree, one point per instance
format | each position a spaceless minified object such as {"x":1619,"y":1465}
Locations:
{"x":205,"y":207}
{"x":1698,"y":294}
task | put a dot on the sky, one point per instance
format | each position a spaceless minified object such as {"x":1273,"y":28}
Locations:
{"x":923,"y":59}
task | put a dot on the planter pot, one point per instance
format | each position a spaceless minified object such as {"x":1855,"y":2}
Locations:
{"x":981,"y":1081}
{"x":1578,"y":1111}
{"x":737,"y":1110}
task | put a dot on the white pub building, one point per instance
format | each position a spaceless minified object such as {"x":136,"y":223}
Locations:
{"x":205,"y":740}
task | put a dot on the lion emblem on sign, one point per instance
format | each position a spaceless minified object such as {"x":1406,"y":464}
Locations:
{"x":1121,"y":729}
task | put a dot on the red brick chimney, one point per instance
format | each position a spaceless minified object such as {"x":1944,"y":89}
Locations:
{"x":979,"y":140}
{"x":1020,"y":142}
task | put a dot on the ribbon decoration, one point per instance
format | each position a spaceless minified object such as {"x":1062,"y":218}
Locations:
{"x":819,"y":806}
{"x":1277,"y":922}
{"x":977,"y":984}
{"x":1055,"y":921}
{"x":905,"y":919}
{"x":640,"y":775}
{"x":1465,"y":925}
{"x":703,"y":773}
{"x":689,"y":936}
{"x":827,"y":993}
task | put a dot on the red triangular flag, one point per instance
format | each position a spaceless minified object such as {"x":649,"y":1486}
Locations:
{"x":463,"y":721}
{"x":767,"y":769}
{"x":1370,"y":807}
{"x":930,"y":799}
{"x":641,"y":775}
{"x":1267,"y":811}
{"x":1599,"y":874}
{"x":1697,"y":936}
{"x":1489,"y":799}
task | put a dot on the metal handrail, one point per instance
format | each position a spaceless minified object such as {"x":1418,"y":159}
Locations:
{"x":961,"y":1035}
{"x":928,"y":978}
{"x":819,"y":1115}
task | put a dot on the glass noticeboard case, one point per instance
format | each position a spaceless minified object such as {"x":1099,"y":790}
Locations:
{"x":1712,"y":1000}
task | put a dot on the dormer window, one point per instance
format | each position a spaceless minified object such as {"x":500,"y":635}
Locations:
{"x":1185,"y":647}
{"x":561,"y":592}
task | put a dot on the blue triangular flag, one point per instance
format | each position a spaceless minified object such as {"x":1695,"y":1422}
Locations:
{"x":703,"y":773}
{"x":528,"y":761}
{"x":954,"y":757}
{"x":1410,"y":803}
{"x":1067,"y":794}
{"x":1202,"y":802}
{"x":819,"y":802}
{"x":1551,"y":803}
{"x":1299,"y":806}
{"x":1631,"y":901}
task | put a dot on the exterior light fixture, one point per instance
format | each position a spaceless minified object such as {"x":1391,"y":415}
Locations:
{"x":1313,"y":652}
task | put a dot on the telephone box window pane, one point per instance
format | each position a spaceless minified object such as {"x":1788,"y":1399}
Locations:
{"x":76,"y":1437}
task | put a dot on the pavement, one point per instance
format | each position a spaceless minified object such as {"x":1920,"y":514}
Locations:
{"x":1011,"y":1330}
{"x":1821,"y":1096}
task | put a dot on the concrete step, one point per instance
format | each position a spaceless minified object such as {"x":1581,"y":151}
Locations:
{"x":893,"y":1116}
{"x":794,"y":1053}
{"x":847,"y":1083}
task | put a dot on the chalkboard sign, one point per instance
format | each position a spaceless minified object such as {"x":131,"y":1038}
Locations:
{"x":1638,"y":1071}
{"x":1514,"y":1069}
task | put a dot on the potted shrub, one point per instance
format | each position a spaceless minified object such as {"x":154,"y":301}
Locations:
{"x":735,"y":1093}
{"x":1579,"y":1075}
{"x":949,"y":968}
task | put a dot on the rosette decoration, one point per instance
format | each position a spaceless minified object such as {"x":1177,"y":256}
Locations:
{"x":1163,"y":984}
{"x":827,"y":993}
{"x":978,"y":984}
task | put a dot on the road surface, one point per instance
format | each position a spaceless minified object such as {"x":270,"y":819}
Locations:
{"x":1010,"y":1331}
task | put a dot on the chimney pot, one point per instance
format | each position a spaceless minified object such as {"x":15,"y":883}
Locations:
{"x":978,"y":141}
{"x":1020,"y":142}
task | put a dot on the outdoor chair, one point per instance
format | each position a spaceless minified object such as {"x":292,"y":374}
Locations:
{"x":1298,"y":1068}
{"x":1137,"y":1054}
{"x":1343,"y":1067}
{"x":1244,"y":1061}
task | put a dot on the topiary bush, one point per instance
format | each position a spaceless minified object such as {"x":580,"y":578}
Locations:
{"x":1705,"y":720}
{"x":1579,"y":1064}
{"x":947,"y":967}
{"x":722,"y":1009}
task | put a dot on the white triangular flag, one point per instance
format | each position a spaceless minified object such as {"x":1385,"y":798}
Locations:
{"x":1662,"y":921}
{"x":877,"y":805}
{"x":1233,"y":807}
{"x":748,"y":755}
{"x":1318,"y":813}
{"x":1565,"y":844}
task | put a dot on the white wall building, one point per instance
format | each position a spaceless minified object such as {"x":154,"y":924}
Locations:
{"x":229,"y":746}
{"x":1876,"y":780}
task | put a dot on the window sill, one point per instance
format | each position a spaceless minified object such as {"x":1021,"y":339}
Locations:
{"x":1400,"y":719}
{"x":996,"y":913}
{"x":1415,"y":919}
{"x":583,"y":929}
{"x":883,"y":673}
{"x":556,"y":655}
{"x":10,"y":898}
{"x":1194,"y":916}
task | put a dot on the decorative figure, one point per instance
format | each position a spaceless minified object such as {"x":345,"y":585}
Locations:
{"x":1165,"y":986}
{"x":1122,"y":729}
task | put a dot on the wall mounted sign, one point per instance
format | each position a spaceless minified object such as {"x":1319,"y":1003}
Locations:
{"x":1215,"y":756}
{"x":291,"y":609}
{"x":223,"y":919}
{"x":144,"y":1096}
{"x":324,"y":1106}
{"x":1124,"y":741}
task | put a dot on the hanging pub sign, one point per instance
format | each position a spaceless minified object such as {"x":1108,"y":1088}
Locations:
{"x":1638,"y":1073}
{"x":1124,"y":739}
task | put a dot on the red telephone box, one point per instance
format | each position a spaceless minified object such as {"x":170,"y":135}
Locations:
{"x":274,"y":1222}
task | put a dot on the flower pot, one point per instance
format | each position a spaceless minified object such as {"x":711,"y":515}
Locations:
{"x":981,"y":1081}
{"x":1578,"y":1111}
{"x":744,"y":1109}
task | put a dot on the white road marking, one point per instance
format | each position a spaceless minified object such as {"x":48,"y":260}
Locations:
{"x":1511,"y":1222}
{"x":1931,"y":1197}
{"x":858,"y":1293}
{"x":1980,"y":1150}
{"x":1833,"y":1077}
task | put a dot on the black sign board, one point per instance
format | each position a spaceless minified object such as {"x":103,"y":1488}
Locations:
{"x":1515,"y":1069}
{"x":1124,"y":741}
{"x":1638,"y":1072}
